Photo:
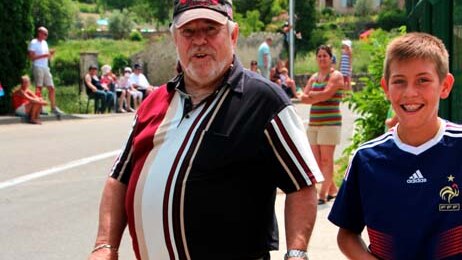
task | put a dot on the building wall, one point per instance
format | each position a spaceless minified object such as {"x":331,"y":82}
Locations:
{"x":347,"y":6}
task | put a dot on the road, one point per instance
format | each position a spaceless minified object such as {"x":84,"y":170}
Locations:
{"x":51,"y":183}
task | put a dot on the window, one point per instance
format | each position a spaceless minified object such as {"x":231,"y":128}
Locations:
{"x":330,"y":3}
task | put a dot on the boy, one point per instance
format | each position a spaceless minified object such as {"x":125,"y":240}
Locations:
{"x":403,"y":185}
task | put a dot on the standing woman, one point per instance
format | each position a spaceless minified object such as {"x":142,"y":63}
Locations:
{"x":324,"y":92}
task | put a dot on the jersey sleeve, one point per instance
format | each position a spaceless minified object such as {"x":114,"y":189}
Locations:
{"x":122,"y":168}
{"x":347,"y":211}
{"x":287,"y":139}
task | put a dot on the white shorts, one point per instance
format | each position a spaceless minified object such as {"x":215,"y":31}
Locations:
{"x":21,"y":110}
{"x":136,"y":94}
{"x":42,"y":77}
{"x":324,"y":135}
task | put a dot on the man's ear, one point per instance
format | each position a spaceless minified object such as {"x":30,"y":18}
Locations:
{"x":235,"y":35}
{"x":384,"y":85}
{"x":447,"y":84}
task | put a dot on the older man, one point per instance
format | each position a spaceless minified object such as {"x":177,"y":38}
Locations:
{"x":198,"y":176}
{"x":39,"y":54}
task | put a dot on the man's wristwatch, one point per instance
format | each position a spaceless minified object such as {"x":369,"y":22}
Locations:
{"x":296,"y":253}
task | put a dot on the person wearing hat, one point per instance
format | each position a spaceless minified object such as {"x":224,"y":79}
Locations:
{"x":198,"y":176}
{"x":345,"y":65}
{"x":139,"y":82}
{"x":39,"y":54}
{"x":104,"y":98}
{"x":131,"y":91}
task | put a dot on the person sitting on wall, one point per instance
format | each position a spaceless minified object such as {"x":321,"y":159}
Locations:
{"x":104,"y":99}
{"x":139,"y":81}
{"x":26,"y":103}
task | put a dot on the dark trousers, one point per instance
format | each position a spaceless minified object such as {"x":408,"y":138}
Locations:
{"x":103,"y":100}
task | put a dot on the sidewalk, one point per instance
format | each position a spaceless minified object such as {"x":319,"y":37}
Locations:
{"x":11,"y":119}
{"x":323,"y":242}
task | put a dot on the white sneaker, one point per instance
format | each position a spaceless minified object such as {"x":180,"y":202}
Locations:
{"x":57,"y":111}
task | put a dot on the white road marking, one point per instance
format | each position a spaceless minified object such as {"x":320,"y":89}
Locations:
{"x":57,"y":169}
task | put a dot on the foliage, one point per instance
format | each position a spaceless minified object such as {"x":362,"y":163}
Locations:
{"x":142,"y":12}
{"x":328,"y":12}
{"x":136,"y":36}
{"x":16,"y":28}
{"x":120,"y":24}
{"x":306,"y":22}
{"x":161,"y":9}
{"x":88,"y":8}
{"x":119,"y":62}
{"x":66,"y":71}
{"x":391,"y":19}
{"x":250,"y":23}
{"x":56,"y":15}
{"x":370,"y":104}
{"x":117,"y":4}
{"x":363,"y":7}
{"x":69,"y":100}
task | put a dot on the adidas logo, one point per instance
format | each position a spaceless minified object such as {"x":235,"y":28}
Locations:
{"x":417,"y":177}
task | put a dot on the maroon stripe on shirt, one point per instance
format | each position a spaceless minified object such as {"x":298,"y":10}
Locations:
{"x":156,"y":104}
{"x":295,"y":151}
{"x":176,"y":197}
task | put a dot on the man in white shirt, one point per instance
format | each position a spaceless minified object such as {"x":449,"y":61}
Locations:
{"x":39,"y":54}
{"x":138,"y":81}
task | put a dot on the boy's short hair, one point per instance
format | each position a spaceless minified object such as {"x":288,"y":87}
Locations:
{"x":284,"y":70}
{"x":417,"y":46}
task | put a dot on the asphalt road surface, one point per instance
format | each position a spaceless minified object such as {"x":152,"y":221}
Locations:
{"x":51,"y":181}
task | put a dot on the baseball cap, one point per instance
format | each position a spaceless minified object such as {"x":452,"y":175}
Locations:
{"x":137,"y":66}
{"x":128,"y":69}
{"x":347,"y":43}
{"x":185,"y":11}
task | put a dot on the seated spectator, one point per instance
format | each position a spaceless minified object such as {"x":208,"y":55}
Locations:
{"x":26,"y":103}
{"x":110,"y":80}
{"x":131,"y":91}
{"x":254,"y":66}
{"x":287,"y":83}
{"x":279,"y":75}
{"x":138,"y":81}
{"x":104,"y":99}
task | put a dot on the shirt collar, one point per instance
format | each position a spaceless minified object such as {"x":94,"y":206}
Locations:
{"x":234,"y":79}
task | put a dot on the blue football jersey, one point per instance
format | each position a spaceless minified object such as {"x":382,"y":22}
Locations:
{"x":407,"y":197}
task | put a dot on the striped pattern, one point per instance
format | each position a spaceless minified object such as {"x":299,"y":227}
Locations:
{"x":345,"y":62}
{"x":450,"y":243}
{"x":294,"y":155}
{"x":381,"y":244}
{"x":166,"y":168}
{"x":326,"y":113}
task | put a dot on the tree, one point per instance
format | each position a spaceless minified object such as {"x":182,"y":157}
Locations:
{"x":56,"y":15}
{"x":250,"y":23}
{"x":305,"y":23}
{"x":161,"y":9}
{"x":117,"y":4}
{"x":120,"y":24}
{"x":16,"y":27}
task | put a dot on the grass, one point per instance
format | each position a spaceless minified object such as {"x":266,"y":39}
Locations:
{"x":306,"y":64}
{"x":106,"y":48}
